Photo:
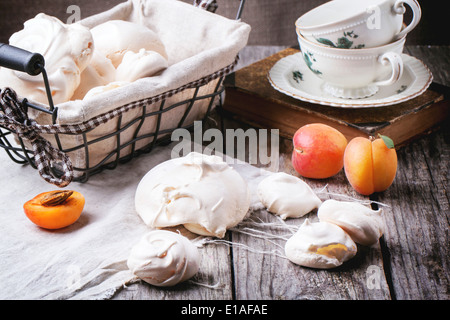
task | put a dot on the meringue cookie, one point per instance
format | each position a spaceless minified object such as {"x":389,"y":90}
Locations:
{"x":320,"y":245}
{"x":116,"y":37}
{"x":201,"y":192}
{"x":99,"y":72}
{"x":287,"y":195}
{"x":67,"y":50}
{"x":139,"y":65}
{"x":164,"y":258}
{"x":363,"y":224}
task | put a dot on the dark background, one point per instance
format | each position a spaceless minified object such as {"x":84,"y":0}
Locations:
{"x":272,"y":21}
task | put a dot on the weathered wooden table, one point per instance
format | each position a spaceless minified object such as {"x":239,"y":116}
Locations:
{"x":411,"y":260}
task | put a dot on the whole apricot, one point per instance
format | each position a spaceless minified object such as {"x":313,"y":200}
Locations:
{"x":370,"y":165}
{"x":55,"y":209}
{"x":318,"y":151}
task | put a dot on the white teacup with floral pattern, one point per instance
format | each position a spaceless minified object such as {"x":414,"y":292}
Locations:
{"x":353,"y":24}
{"x":354,"y":73}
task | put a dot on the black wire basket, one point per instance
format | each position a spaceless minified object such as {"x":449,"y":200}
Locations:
{"x":52,"y":160}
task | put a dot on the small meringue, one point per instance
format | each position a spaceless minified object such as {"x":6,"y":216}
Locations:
{"x":287,"y":195}
{"x":164,"y":258}
{"x":363,"y":224}
{"x":320,"y":245}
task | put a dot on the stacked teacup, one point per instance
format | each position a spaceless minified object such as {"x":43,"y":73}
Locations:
{"x":355,"y":46}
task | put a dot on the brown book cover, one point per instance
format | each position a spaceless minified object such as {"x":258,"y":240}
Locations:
{"x":249,"y":97}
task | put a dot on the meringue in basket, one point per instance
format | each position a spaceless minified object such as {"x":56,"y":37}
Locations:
{"x":67,"y":50}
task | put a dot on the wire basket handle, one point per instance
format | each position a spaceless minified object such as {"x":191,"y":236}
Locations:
{"x":29,"y":62}
{"x":21,"y":60}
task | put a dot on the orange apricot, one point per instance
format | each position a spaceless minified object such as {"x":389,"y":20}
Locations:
{"x":55,"y":209}
{"x":370,"y":165}
{"x":318,"y":151}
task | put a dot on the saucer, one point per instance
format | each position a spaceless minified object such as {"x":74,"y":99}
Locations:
{"x":291,"y":76}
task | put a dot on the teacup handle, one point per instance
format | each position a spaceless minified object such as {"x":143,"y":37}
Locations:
{"x":417,"y":14}
{"x":396,"y":62}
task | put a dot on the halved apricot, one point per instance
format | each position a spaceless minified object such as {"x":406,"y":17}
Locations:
{"x":55,"y":209}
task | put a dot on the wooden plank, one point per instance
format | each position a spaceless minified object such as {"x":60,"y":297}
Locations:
{"x":418,"y":219}
{"x":416,"y":239}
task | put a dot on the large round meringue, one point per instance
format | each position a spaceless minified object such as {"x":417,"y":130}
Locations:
{"x":116,"y":37}
{"x":287,"y":196}
{"x":201,"y":192}
{"x":67,"y":49}
{"x":164,"y":258}
{"x":320,"y":245}
{"x":363,"y":224}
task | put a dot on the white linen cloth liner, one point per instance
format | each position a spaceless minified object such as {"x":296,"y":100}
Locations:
{"x":86,"y":260}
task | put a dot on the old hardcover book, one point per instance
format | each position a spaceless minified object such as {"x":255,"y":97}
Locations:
{"x":249,"y":97}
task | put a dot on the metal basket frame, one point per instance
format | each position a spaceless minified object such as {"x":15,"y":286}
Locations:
{"x":21,"y":154}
